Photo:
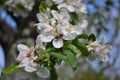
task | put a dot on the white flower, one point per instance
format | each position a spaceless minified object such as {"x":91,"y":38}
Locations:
{"x":44,"y":17}
{"x":99,"y":51}
{"x":20,"y":7}
{"x":23,"y":50}
{"x":72,"y":6}
{"x":61,"y":17}
{"x":26,"y":58}
{"x":28,"y":64}
{"x":63,"y":29}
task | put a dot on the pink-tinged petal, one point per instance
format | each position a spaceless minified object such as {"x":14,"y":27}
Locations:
{"x":58,"y":43}
{"x":22,"y":48}
{"x":20,"y":57}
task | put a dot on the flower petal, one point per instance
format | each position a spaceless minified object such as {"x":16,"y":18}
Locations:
{"x":69,"y":36}
{"x":42,"y":17}
{"x":43,"y":72}
{"x":39,"y":43}
{"x":47,"y":37}
{"x":55,"y":14}
{"x":70,"y":8}
{"x":58,"y":43}
{"x":57,"y":1}
{"x":29,"y":68}
{"x":22,"y":48}
{"x":61,"y":5}
{"x":20,"y":57}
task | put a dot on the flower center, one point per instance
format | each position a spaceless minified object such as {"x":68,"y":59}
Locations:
{"x":69,"y":27}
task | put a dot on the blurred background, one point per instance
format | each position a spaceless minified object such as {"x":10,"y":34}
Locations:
{"x":104,"y":19}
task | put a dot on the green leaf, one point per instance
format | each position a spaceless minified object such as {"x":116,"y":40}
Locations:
{"x":10,"y":69}
{"x":58,"y":55}
{"x":71,"y":58}
{"x":83,"y":36}
{"x":43,"y":6}
{"x":81,"y":46}
{"x":54,"y":7}
{"x":53,"y":74}
{"x":92,"y":37}
{"x":20,"y":6}
{"x":74,"y":17}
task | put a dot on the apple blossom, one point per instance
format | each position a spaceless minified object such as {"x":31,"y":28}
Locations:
{"x":99,"y":51}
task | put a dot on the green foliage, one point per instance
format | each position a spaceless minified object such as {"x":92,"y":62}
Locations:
{"x":92,"y":37}
{"x":83,"y":36}
{"x":20,"y":6}
{"x":74,"y":17}
{"x":43,"y":6}
{"x":81,"y":46}
{"x":10,"y":69}
{"x":54,"y":7}
{"x":59,"y":55}
{"x":71,"y":58}
{"x":53,"y":74}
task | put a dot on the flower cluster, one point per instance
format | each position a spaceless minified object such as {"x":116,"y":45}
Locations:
{"x":61,"y":31}
{"x":20,"y":7}
{"x":56,"y":25}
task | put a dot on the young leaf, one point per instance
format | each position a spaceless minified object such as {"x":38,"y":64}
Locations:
{"x":74,"y":17}
{"x":10,"y":69}
{"x":43,"y":6}
{"x":92,"y":37}
{"x":81,"y":46}
{"x":71,"y":58}
{"x":83,"y":36}
{"x":58,"y":55}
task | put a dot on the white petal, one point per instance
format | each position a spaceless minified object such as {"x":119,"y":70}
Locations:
{"x":64,"y":15}
{"x":22,"y":48}
{"x":29,"y":68}
{"x":57,"y":1}
{"x":39,"y":43}
{"x":69,"y":36}
{"x":42,"y":17}
{"x":26,"y":61}
{"x":84,"y":24}
{"x":22,"y":65}
{"x":61,"y":5}
{"x":39,"y":26}
{"x":55,"y":14}
{"x":71,"y":8}
{"x":77,"y":29}
{"x":47,"y":37}
{"x":43,"y":72}
{"x":58,"y":43}
{"x":20,"y":57}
